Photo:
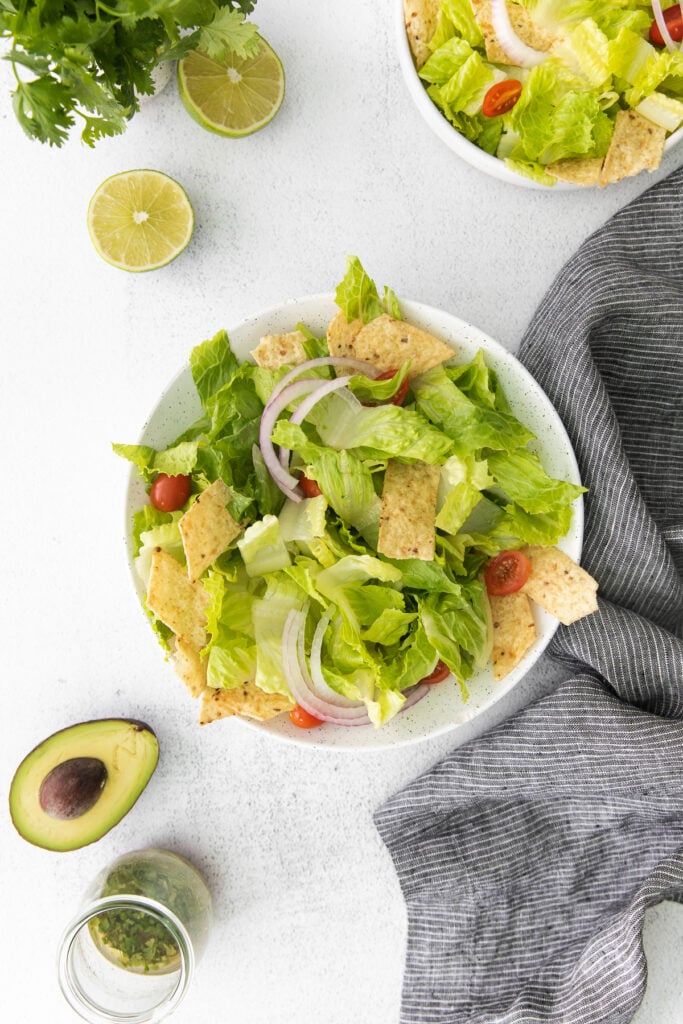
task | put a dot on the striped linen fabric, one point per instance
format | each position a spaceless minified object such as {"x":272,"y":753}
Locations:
{"x":528,"y":857}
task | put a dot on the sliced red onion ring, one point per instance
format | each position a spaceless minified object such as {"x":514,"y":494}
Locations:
{"x":320,"y":684}
{"x":278,"y":467}
{"x":662,"y":25}
{"x":301,"y":687}
{"x":299,"y":415}
{"x":413,"y":695}
{"x":285,"y":481}
{"x":517,"y":50}
{"x":367,"y":369}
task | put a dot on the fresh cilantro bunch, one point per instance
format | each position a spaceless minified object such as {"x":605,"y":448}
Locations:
{"x":91,"y":59}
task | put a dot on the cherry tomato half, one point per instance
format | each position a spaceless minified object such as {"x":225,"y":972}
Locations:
{"x":400,"y":396}
{"x":169,"y":493}
{"x":440,"y":672}
{"x":507,"y":573}
{"x":501,"y":97}
{"x":673,"y":19}
{"x":299,"y":716}
{"x":309,"y":487}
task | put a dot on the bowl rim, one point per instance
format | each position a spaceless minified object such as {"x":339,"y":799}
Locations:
{"x":416,"y":312}
{"x":456,"y":142}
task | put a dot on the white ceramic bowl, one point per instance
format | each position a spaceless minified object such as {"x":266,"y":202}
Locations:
{"x":443,"y":708}
{"x":458,"y":143}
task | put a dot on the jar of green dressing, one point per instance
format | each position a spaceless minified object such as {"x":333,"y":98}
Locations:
{"x":130,"y":953}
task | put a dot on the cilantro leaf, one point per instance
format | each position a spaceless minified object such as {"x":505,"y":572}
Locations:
{"x":43,"y":109}
{"x":229,"y":31}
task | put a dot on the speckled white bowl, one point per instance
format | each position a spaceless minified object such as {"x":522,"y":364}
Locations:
{"x":443,"y":708}
{"x":485,"y":162}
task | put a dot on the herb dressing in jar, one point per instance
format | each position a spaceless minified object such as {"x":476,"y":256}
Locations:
{"x":130,"y":953}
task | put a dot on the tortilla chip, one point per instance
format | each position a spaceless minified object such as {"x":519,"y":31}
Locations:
{"x":577,"y":170}
{"x":176,"y":600}
{"x":207,"y":528}
{"x":388,"y":343}
{"x":189,"y":666}
{"x":246,"y":700}
{"x":420,"y":18}
{"x":276,"y":350}
{"x":341,"y":335}
{"x":408,"y":513}
{"x":523,"y":24}
{"x":559,"y":585}
{"x":637,"y":145}
{"x":514,"y":631}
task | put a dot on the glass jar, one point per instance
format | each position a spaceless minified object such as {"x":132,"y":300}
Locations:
{"x":129,"y":955}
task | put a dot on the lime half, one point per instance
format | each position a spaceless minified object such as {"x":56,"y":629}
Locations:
{"x":235,"y":96}
{"x":140,"y":220}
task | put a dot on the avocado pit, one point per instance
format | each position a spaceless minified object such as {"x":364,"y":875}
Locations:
{"x":72,"y":788}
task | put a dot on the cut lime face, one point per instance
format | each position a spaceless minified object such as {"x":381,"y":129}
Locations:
{"x":235,"y":96}
{"x":140,"y":220}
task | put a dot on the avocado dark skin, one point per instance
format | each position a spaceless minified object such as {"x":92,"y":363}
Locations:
{"x":81,"y":781}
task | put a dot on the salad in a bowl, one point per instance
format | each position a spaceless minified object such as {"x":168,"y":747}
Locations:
{"x":586,"y":91}
{"x":353,"y":519}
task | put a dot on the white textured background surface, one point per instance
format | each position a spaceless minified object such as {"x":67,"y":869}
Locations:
{"x":310,"y":922}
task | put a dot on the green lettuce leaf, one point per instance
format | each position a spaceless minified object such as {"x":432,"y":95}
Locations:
{"x":262,"y":548}
{"x":469,"y":425}
{"x":212,"y":364}
{"x":357,"y":295}
{"x":523,"y":479}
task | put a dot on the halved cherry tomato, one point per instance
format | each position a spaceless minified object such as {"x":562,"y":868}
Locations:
{"x":299,"y":716}
{"x":501,"y":97}
{"x":507,"y":573}
{"x":169,"y":493}
{"x":440,"y":672}
{"x":309,"y":487}
{"x":673,"y":19}
{"x":400,"y":396}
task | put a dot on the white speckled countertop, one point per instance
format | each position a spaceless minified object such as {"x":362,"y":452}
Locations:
{"x":309,"y":918}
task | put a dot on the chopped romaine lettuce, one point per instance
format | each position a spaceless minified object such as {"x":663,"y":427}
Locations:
{"x":387,"y":621}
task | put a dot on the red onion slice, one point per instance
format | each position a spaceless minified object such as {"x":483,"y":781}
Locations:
{"x":367,"y":369}
{"x":413,"y":695}
{"x":278,"y":467}
{"x":285,"y":481}
{"x":320,"y":684}
{"x":301,"y":687}
{"x":662,"y":25}
{"x":517,"y":50}
{"x":299,"y":415}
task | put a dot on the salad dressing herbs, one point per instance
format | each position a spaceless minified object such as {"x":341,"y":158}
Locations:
{"x":134,"y":939}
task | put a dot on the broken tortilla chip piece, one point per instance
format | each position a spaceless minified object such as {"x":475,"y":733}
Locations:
{"x":276,"y":350}
{"x":174,"y":599}
{"x":514,"y":631}
{"x":387,"y":344}
{"x":577,"y":170}
{"x":341,"y":334}
{"x":408,"y":513}
{"x":207,"y":528}
{"x":524,"y":27}
{"x":246,"y":700}
{"x":559,"y":585}
{"x":189,"y":666}
{"x":637,"y":145}
{"x":420,"y":20}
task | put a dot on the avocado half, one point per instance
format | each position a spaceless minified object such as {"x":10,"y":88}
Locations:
{"x":78,"y":783}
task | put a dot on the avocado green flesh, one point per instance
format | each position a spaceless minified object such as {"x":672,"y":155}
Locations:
{"x":129,"y":752}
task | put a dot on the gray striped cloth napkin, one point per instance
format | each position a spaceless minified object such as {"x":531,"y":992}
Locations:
{"x":528,"y":857}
